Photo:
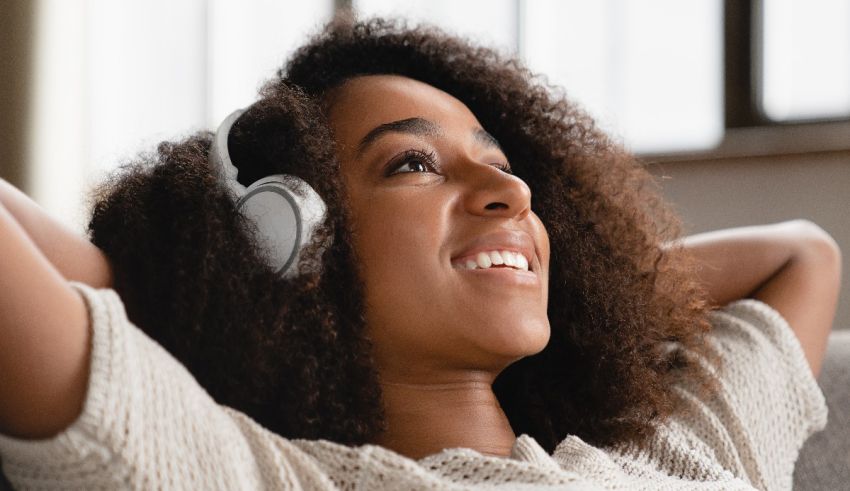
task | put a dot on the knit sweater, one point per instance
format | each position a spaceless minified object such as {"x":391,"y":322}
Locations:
{"x":147,"y":424}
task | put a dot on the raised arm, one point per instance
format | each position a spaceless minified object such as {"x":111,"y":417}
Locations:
{"x":71,"y":254}
{"x":44,"y":339}
{"x":73,"y":366}
{"x":794,"y":266}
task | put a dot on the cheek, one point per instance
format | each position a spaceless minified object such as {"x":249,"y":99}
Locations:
{"x":398,"y":244}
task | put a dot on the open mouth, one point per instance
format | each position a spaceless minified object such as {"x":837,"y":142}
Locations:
{"x":494,"y":259}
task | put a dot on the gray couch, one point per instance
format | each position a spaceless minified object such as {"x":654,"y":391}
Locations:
{"x":824,"y":462}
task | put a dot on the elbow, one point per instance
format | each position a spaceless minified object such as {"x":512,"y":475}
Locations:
{"x":816,"y":242}
{"x":817,"y":248}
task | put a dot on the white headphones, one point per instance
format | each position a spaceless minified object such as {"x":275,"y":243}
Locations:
{"x":284,"y":208}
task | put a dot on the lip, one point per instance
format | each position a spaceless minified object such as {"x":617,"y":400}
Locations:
{"x":503,"y":240}
{"x":503,"y":276}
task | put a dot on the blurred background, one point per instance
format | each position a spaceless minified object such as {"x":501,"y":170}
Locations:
{"x":741,"y":108}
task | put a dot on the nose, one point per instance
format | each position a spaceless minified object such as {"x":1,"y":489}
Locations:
{"x":495,"y":193}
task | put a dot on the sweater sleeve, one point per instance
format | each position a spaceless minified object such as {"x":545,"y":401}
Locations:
{"x":145,"y":423}
{"x":768,"y":402}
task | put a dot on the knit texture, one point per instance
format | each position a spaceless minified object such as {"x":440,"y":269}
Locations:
{"x":147,"y":424}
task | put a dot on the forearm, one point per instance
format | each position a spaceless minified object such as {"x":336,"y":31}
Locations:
{"x":43,"y":339}
{"x":793,"y":266}
{"x":736,"y":263}
{"x":71,"y":254}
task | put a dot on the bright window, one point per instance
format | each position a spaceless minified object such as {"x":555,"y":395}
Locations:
{"x":650,"y":71}
{"x":490,"y":22}
{"x":146,"y":75}
{"x":115,"y":78}
{"x":249,"y":41}
{"x":805,"y":59}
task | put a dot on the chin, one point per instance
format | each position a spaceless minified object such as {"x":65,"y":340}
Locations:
{"x":513,"y":344}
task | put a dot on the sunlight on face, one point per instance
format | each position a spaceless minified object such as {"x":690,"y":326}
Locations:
{"x":431,"y":195}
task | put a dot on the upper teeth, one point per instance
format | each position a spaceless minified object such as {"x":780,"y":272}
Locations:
{"x":484,"y":260}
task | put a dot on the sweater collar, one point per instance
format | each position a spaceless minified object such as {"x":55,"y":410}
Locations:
{"x":524,"y":449}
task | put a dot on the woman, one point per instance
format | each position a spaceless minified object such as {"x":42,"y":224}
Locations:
{"x":401,"y":357}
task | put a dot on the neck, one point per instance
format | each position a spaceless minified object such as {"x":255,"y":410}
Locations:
{"x":425,"y":418}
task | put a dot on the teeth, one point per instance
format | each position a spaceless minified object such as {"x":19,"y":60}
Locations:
{"x":522,"y":262}
{"x":484,"y":260}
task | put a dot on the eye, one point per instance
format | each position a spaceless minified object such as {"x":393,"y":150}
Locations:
{"x":505,"y":167}
{"x":412,"y":161}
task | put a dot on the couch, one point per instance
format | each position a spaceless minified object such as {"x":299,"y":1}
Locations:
{"x":824,"y":462}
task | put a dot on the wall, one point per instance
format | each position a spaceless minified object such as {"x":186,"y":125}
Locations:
{"x":735,"y":191}
{"x":16,"y":35}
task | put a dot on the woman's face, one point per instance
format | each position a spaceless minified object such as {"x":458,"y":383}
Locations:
{"x":430,"y":198}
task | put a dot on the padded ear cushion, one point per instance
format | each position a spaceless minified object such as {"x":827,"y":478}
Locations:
{"x":285,"y":211}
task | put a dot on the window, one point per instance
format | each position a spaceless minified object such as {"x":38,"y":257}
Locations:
{"x":805,"y":59}
{"x":649,"y":71}
{"x":665,"y":76}
{"x":489,"y":22}
{"x":249,"y":41}
{"x":160,"y":69}
{"x":115,"y":78}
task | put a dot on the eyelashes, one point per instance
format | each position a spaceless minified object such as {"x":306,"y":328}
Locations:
{"x":506,"y":168}
{"x":427,"y":162}
{"x":417,"y":160}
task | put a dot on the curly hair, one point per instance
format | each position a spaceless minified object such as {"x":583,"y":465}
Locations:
{"x":624,"y":310}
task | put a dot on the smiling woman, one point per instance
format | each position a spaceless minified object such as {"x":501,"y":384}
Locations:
{"x":496,"y":297}
{"x":414,"y":216}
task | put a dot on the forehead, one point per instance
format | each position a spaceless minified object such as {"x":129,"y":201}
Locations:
{"x":365,"y":102}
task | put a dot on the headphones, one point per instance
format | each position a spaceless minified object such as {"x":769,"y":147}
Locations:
{"x":284,"y":209}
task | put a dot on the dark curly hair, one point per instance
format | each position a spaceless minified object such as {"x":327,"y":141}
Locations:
{"x":292,"y":354}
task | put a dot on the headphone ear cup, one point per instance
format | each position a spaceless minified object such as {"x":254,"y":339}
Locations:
{"x":285,"y":211}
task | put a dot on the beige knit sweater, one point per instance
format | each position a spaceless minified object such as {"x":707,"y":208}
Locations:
{"x":147,"y":424}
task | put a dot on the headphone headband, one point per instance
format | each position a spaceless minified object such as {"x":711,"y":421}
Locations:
{"x":220,"y":155}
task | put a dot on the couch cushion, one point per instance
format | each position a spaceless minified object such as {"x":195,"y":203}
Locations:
{"x":824,"y":462}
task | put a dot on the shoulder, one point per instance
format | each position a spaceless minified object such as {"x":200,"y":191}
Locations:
{"x":752,"y":324}
{"x":765,"y":404}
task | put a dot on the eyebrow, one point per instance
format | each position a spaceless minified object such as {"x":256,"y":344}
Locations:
{"x":418,"y":126}
{"x":481,"y":136}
